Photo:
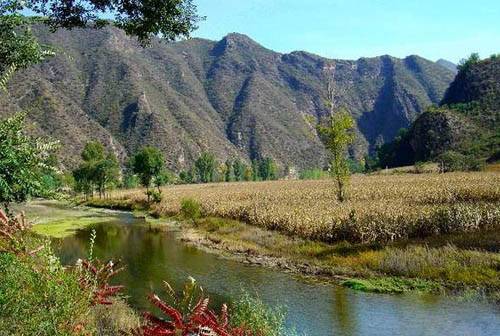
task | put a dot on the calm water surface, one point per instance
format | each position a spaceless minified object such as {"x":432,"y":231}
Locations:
{"x":317,"y":309}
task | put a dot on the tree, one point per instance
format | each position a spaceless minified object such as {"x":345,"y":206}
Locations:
{"x":205,"y":167}
{"x":466,"y":63}
{"x":255,"y":170}
{"x":239,"y":170}
{"x":148,"y":165}
{"x":98,"y":171}
{"x":337,"y":134}
{"x":267,"y":169}
{"x":107,"y":173}
{"x":229,"y":175}
{"x":23,"y":161}
{"x":18,"y":47}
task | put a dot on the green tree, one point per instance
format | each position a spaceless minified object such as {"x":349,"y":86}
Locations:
{"x":337,"y":134}
{"x":255,"y":170}
{"x":148,"y":165}
{"x":107,"y":173}
{"x":466,"y":63}
{"x":205,"y":167}
{"x":248,"y":174}
{"x":98,"y":172}
{"x":268,"y":169}
{"x":24,"y":159}
{"x":229,"y":174}
{"x":239,"y":170}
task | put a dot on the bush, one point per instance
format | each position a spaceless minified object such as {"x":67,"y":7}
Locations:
{"x":451,"y":161}
{"x":38,"y":297}
{"x":314,"y":174}
{"x":190,"y":209}
{"x":154,"y":195}
{"x":251,"y":313}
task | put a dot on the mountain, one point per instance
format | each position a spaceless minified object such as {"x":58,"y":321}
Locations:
{"x":233,"y":97}
{"x":448,"y":65}
{"x":468,"y":119}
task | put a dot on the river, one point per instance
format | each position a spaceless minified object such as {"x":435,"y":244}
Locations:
{"x":315,"y":308}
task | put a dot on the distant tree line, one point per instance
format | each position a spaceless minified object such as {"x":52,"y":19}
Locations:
{"x":207,"y":169}
{"x":100,"y":171}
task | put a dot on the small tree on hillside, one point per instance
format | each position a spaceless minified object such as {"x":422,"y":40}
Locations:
{"x":337,"y":135}
{"x":148,"y":165}
{"x":205,"y":167}
{"x":24,"y":159}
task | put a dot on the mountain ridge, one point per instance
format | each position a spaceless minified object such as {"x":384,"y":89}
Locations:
{"x":233,"y":97}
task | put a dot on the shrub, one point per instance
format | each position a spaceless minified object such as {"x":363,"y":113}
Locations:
{"x":251,"y":313}
{"x":38,"y":297}
{"x":190,"y":209}
{"x":451,"y":161}
{"x":154,"y":196}
{"x":314,"y":174}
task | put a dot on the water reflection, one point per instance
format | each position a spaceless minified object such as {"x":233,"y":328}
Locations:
{"x":315,"y":308}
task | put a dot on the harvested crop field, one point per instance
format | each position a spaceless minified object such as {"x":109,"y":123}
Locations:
{"x":380,"y":208}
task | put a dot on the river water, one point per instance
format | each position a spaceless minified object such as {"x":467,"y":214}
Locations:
{"x":314,"y":308}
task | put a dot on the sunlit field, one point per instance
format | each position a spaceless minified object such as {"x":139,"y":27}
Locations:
{"x":380,"y":208}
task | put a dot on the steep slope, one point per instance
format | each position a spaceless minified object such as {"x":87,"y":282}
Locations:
{"x":232,"y":97}
{"x":468,"y":120}
{"x":448,"y":65}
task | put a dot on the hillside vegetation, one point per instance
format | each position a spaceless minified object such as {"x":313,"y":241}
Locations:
{"x":466,"y":122}
{"x":232,"y":97}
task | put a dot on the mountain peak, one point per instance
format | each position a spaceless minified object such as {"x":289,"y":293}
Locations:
{"x":447,"y":64}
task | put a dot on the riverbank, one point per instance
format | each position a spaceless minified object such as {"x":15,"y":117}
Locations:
{"x":456,"y":263}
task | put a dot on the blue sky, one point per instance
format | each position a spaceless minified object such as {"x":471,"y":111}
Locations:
{"x":352,"y":29}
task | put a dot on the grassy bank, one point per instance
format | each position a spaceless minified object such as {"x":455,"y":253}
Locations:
{"x":458,"y":250}
{"x":38,"y":296}
{"x":57,"y":219}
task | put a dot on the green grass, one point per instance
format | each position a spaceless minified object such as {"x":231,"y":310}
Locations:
{"x":66,"y":227}
{"x":390,"y":285}
{"x":58,"y":219}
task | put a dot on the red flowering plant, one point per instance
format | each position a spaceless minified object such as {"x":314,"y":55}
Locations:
{"x":188,"y":318}
{"x":95,"y":276}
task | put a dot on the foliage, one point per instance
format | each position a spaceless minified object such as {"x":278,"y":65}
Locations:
{"x":337,"y":136}
{"x":397,"y":153}
{"x":205,"y":167}
{"x":95,"y":276}
{"x":466,"y":63}
{"x":18,"y":46}
{"x":189,"y":315}
{"x":313,"y":174}
{"x":187,"y":176}
{"x":98,"y":172}
{"x":23,"y":161}
{"x":267,"y":169}
{"x":239,"y":169}
{"x":251,"y":313}
{"x":190,"y":209}
{"x":38,"y":296}
{"x":451,"y":161}
{"x":144,"y":19}
{"x":148,"y":165}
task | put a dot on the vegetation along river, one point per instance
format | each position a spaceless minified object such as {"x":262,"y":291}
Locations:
{"x":314,"y":308}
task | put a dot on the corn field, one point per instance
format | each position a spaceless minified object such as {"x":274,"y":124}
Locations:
{"x":380,"y":208}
